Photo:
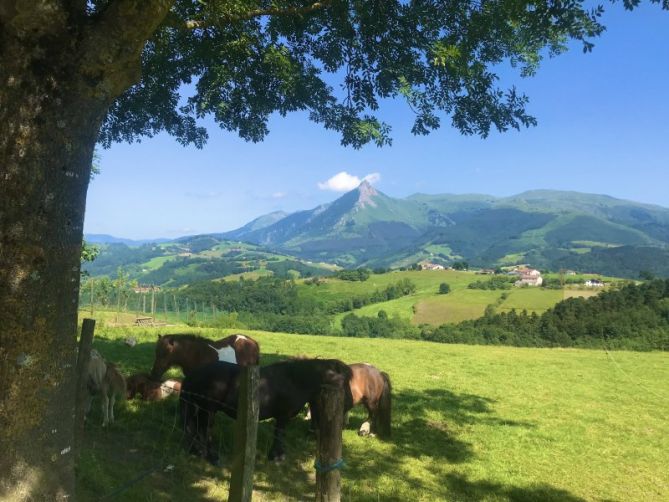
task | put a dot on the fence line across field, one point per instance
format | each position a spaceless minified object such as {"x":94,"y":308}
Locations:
{"x":146,"y":303}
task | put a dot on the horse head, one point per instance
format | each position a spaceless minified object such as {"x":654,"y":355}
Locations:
{"x":165,"y":347}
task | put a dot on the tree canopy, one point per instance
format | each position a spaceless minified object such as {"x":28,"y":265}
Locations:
{"x":241,"y":61}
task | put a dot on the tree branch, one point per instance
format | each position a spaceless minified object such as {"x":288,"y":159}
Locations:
{"x":33,"y":17}
{"x":270,"y":11}
{"x":112,"y":49}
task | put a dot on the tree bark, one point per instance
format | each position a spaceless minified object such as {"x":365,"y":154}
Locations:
{"x":47,"y":135}
{"x":59,"y":73}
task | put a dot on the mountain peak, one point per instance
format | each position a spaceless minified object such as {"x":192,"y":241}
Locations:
{"x":365,"y":193}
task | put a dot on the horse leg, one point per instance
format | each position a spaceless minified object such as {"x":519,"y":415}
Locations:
{"x":212,"y":454}
{"x":105,"y":409}
{"x":277,"y":452}
{"x":367,"y":426}
{"x":87,"y":405}
{"x":111,"y":408}
{"x":314,"y":415}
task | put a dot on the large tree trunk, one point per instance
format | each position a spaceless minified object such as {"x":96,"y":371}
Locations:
{"x":48,"y":129}
{"x":60,"y":69}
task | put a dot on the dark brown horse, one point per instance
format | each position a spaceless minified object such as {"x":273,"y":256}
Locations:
{"x":191,"y":351}
{"x":284,"y":388}
{"x":371,"y":388}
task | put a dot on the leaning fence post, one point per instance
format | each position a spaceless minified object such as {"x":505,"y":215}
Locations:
{"x":83,"y":357}
{"x":329,"y":457}
{"x":246,"y":433}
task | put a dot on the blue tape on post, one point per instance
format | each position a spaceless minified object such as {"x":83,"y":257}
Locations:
{"x":327,"y":468}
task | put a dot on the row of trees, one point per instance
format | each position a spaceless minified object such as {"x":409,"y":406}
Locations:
{"x":495,"y":282}
{"x":634,"y":317}
{"x":267,"y":303}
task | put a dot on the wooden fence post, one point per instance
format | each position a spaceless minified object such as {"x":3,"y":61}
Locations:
{"x":329,"y":457}
{"x":83,"y":357}
{"x":246,"y":434}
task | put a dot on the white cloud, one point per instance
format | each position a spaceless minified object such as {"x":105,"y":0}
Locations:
{"x":373,"y":178}
{"x":343,"y":182}
{"x":279,"y":195}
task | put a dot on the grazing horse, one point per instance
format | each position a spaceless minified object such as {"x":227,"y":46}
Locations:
{"x":149,"y":390}
{"x":372,"y":388}
{"x":191,"y":351}
{"x":104,"y":379}
{"x":284,"y":388}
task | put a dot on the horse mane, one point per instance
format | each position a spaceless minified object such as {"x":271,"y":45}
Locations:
{"x":191,"y":337}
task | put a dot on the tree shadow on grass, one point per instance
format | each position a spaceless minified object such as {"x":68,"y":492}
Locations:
{"x":428,"y":423}
{"x":427,"y":427}
{"x":459,"y":488}
{"x":141,"y":456}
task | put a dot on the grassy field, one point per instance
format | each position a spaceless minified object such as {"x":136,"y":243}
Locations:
{"x":427,"y":306}
{"x":469,"y":423}
{"x":253,"y":275}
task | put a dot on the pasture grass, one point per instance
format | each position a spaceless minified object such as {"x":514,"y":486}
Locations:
{"x":426,"y":306}
{"x":469,"y":423}
{"x":580,"y":293}
{"x":427,"y":287}
{"x":531,"y":299}
{"x":157,"y":262}
{"x":456,"y":306}
{"x":250,"y":276}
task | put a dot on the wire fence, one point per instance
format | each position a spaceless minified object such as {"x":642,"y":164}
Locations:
{"x":145,"y":455}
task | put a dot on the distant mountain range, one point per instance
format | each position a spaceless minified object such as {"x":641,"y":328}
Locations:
{"x":545,"y":228}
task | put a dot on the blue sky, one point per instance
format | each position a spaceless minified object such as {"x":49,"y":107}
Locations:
{"x":603,"y":128}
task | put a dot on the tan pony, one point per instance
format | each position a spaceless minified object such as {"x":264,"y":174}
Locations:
{"x":104,"y":379}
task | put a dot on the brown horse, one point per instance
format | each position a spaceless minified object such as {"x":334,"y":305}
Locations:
{"x":372,"y":388}
{"x":191,"y":351}
{"x":149,"y":390}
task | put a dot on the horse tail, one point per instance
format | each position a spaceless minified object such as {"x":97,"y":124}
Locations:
{"x":385,"y":407}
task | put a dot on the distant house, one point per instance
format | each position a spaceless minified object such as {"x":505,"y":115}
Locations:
{"x":522,"y":270}
{"x":431,"y":266}
{"x":530,"y":272}
{"x":594,"y":283}
{"x":529,"y":281}
{"x":528,"y":277}
{"x":186,"y":254}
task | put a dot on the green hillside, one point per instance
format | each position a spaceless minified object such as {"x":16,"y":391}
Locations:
{"x":546,"y":228}
{"x":198,"y":258}
{"x":364,"y":227}
{"x":469,"y":423}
